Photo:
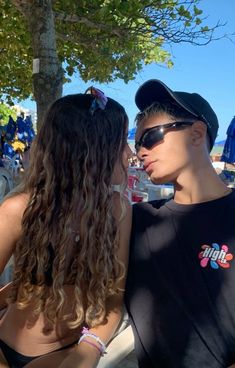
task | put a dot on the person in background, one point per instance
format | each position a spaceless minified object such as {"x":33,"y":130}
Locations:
{"x":68,"y":230}
{"x":180,"y":291}
{"x":25,"y":158}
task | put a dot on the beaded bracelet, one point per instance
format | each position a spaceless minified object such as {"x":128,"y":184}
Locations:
{"x":94,"y":345}
{"x":87,"y":333}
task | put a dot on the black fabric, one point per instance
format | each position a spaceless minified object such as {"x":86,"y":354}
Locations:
{"x":14,"y":359}
{"x":17,"y":360}
{"x":183,"y":314}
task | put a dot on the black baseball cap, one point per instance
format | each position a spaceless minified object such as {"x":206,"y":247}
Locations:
{"x":156,"y":91}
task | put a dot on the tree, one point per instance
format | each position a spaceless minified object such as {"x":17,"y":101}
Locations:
{"x":5,"y":112}
{"x":101,"y":39}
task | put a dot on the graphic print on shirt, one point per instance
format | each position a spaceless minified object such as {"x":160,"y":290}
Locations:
{"x":215,"y":256}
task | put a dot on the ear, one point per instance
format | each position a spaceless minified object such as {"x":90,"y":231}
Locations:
{"x":199,"y":133}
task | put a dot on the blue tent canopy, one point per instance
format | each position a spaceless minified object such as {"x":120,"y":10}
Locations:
{"x":228,"y":154}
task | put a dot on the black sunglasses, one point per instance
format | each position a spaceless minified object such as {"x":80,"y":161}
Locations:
{"x":156,"y":134}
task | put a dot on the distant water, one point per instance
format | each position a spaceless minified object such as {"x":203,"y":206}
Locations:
{"x":131,"y":143}
{"x":218,"y":147}
{"x":220,"y":143}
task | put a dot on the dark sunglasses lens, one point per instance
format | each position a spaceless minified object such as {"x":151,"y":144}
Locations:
{"x":152,"y":137}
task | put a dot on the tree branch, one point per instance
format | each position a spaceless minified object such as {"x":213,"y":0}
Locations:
{"x":87,"y":22}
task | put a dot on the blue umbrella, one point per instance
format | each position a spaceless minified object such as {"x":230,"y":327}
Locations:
{"x":21,"y":129}
{"x":131,"y":133}
{"x":25,"y":130}
{"x":10,"y":129}
{"x":228,"y":154}
{"x":29,"y":128}
{"x":3,"y":129}
{"x":8,"y":151}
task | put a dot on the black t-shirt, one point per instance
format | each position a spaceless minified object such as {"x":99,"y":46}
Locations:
{"x":181,"y":284}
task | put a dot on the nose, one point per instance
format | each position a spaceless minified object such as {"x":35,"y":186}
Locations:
{"x":142,"y":153}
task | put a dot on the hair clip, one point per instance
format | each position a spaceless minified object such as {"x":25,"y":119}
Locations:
{"x":100,"y":100}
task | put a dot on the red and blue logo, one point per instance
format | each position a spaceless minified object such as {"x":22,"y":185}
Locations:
{"x":215,"y":256}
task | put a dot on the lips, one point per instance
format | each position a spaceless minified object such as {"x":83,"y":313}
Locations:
{"x":148,"y":165}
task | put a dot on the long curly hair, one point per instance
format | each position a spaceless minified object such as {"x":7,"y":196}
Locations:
{"x":69,"y":234}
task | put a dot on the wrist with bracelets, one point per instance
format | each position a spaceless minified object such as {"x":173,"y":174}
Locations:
{"x":100,"y":344}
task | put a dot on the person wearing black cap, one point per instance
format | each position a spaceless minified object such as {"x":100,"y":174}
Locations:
{"x":180,"y":291}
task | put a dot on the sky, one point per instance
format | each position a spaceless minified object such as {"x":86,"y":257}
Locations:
{"x":208,"y":70}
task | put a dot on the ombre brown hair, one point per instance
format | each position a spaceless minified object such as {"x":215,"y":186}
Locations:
{"x":69,"y":234}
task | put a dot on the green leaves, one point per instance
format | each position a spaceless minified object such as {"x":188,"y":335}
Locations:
{"x":5,"y":112}
{"x":197,"y":11}
{"x":183,"y":12}
{"x":15,"y":54}
{"x":101,"y":39}
{"x":204,"y":29}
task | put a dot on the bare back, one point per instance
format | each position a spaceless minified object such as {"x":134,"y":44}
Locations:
{"x":18,"y":328}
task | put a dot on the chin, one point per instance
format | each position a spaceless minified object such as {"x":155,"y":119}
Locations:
{"x":159,"y":180}
{"x":155,"y":179}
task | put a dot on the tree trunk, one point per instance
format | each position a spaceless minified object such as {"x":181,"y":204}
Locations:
{"x":47,"y":69}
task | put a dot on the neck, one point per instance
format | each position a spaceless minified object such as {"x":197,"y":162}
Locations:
{"x":201,"y":185}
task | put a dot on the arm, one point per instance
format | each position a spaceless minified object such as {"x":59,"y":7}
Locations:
{"x":4,"y":293}
{"x":85,"y":355}
{"x":11,"y":211}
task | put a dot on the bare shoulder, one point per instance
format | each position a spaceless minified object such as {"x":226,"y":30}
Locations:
{"x":14,"y":206}
{"x":11,"y":212}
